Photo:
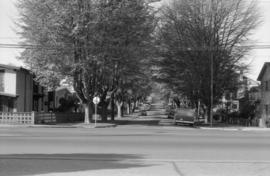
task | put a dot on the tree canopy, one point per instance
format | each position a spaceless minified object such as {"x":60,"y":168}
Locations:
{"x":194,"y":34}
{"x":98,"y":44}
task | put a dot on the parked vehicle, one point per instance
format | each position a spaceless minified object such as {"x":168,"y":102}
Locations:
{"x":144,"y":108}
{"x":186,"y":116}
{"x":171,"y":114}
{"x":170,"y":111}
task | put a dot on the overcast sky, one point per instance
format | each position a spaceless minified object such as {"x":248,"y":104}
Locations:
{"x":8,"y":15}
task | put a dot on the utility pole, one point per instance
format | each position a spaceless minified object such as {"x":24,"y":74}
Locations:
{"x":211,"y":89}
{"x":211,"y":65}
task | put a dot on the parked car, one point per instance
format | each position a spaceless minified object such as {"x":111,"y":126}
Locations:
{"x":186,"y":116}
{"x":144,"y":108}
{"x":170,"y":111}
{"x":171,"y":114}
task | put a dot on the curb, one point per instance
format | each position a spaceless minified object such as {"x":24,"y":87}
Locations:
{"x":221,"y":129}
{"x":59,"y":126}
{"x":236,"y":129}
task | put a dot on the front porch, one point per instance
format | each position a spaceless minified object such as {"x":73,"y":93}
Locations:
{"x":8,"y":102}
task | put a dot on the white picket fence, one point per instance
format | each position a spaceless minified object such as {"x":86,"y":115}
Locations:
{"x":17,"y":118}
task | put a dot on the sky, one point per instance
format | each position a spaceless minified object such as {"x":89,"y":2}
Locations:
{"x":9,"y":14}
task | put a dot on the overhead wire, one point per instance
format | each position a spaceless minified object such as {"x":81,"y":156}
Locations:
{"x":52,"y":47}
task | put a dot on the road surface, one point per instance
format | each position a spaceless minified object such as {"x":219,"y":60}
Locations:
{"x":133,"y":150}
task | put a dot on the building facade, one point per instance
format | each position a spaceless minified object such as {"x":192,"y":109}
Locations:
{"x":19,"y":92}
{"x":264,"y":77}
{"x":233,"y":99}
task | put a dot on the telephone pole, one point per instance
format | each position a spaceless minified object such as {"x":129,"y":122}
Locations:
{"x":211,"y":64}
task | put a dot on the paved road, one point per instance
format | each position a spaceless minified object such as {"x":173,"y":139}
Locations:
{"x":133,"y":150}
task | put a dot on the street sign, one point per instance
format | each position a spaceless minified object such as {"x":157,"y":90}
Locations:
{"x":96,"y":100}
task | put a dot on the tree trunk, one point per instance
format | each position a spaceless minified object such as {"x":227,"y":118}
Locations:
{"x":208,"y":120}
{"x":136,"y":103}
{"x":119,"y":109}
{"x":112,"y":107}
{"x":88,"y":112}
{"x":134,"y":106}
{"x":128,"y":107}
{"x":122,"y":110}
{"x":104,"y":113}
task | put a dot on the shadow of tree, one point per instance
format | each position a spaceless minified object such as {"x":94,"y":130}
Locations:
{"x":137,"y":122}
{"x":32,"y":164}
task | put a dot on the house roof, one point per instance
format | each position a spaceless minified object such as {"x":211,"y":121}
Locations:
{"x":11,"y":67}
{"x":266,"y":64}
{"x":68,"y":88}
{"x":8,"y":95}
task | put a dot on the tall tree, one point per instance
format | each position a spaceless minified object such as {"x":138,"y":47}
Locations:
{"x":63,"y":37}
{"x":194,"y":34}
{"x":95,"y":43}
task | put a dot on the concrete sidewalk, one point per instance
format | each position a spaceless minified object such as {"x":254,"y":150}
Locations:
{"x":63,"y":125}
{"x":179,"y":168}
{"x":235,"y":128}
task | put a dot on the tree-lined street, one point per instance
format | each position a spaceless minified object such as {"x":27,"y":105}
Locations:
{"x":139,"y":68}
{"x":131,"y":150}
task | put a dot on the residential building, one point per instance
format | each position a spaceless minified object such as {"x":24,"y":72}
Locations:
{"x":264,"y":77}
{"x":233,"y":100}
{"x":19,"y":92}
{"x":63,"y":99}
{"x":255,"y":94}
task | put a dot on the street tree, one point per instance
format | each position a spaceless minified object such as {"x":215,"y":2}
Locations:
{"x":126,"y":29}
{"x":62,"y":39}
{"x":200,"y":42}
{"x":96,"y":44}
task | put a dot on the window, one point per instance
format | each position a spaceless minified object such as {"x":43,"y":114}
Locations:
{"x":2,"y":80}
{"x":266,"y":109}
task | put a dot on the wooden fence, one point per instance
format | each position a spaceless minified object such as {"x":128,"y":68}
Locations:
{"x":57,"y":117}
{"x":17,"y":118}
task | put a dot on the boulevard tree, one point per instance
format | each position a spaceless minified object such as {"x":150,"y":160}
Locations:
{"x":196,"y":38}
{"x":96,"y":44}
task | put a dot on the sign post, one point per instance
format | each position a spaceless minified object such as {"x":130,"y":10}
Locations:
{"x":96,"y":101}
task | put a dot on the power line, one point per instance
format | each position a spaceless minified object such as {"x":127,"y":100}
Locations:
{"x":31,"y":46}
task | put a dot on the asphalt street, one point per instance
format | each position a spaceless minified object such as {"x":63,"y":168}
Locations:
{"x":133,"y":150}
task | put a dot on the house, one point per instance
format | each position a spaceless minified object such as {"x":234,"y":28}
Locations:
{"x":233,"y":99}
{"x":63,"y":99}
{"x":264,"y":77}
{"x":19,"y":92}
{"x":255,"y":94}
{"x":245,"y":84}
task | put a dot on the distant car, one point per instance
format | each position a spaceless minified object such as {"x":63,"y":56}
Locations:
{"x":171,"y":114}
{"x":186,"y":117}
{"x":144,"y":107}
{"x":170,"y":111}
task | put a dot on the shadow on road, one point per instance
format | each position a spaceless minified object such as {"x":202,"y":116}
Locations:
{"x":137,"y":122}
{"x":32,"y":164}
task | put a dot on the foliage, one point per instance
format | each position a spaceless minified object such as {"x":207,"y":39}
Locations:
{"x":98,"y":44}
{"x":248,"y":109}
{"x":67,"y":104}
{"x":190,"y":33}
